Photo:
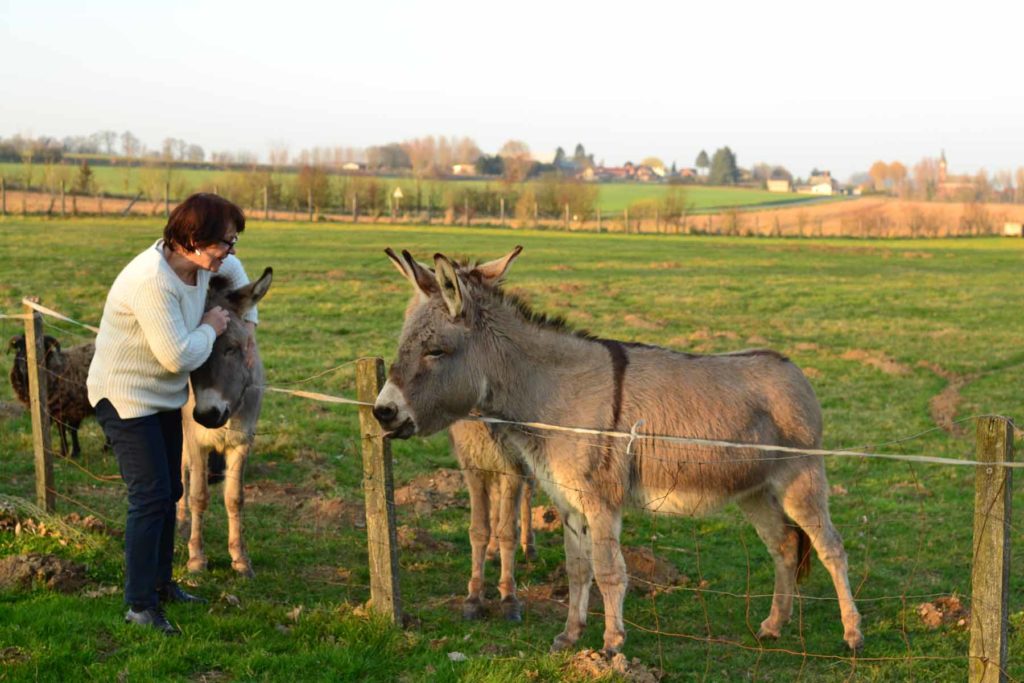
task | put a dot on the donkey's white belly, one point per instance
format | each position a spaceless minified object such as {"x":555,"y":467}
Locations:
{"x":678,"y":502}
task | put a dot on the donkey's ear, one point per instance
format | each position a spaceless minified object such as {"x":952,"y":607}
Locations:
{"x":448,"y":281}
{"x":419,"y":274}
{"x":493,"y":271}
{"x":244,"y":298}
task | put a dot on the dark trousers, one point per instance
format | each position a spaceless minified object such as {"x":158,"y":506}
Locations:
{"x":148,"y":453}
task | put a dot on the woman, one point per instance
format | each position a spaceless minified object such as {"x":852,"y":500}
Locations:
{"x":152,"y":335}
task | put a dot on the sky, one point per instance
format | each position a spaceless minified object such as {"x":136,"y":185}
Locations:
{"x":829,"y":85}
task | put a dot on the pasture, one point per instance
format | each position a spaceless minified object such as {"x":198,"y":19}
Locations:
{"x":902,"y":341}
{"x":612,"y":197}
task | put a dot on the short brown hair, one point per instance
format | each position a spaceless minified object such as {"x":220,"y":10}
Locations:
{"x":201,"y":220}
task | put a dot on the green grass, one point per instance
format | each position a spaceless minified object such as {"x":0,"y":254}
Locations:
{"x":335,"y":298}
{"x":613,"y":197}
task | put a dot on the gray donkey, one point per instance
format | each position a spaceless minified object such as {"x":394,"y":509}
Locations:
{"x":219,"y":420}
{"x":500,"y":493}
{"x":466,"y":345}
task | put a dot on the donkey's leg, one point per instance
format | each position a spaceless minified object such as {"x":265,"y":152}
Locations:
{"x":479,"y":535}
{"x":494,"y":489}
{"x":198,"y":501}
{"x":508,"y":537}
{"x":527,"y":539}
{"x":805,"y":500}
{"x":580,"y":572}
{"x":76,"y":448}
{"x":182,"y":508}
{"x":234,"y":501}
{"x":764,"y":511}
{"x":610,"y":573}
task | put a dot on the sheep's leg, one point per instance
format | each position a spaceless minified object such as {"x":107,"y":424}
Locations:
{"x":479,"y":535}
{"x":511,"y":486}
{"x":579,"y":569}
{"x":234,"y":501}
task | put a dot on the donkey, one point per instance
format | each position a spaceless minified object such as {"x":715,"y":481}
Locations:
{"x":219,"y":420}
{"x":500,"y":493}
{"x":500,"y":488}
{"x":466,"y":345}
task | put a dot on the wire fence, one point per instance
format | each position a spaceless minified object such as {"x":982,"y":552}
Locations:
{"x":660,"y":593}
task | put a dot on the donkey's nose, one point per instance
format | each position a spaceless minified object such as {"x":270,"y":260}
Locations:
{"x":211,"y":418}
{"x":385,"y":413}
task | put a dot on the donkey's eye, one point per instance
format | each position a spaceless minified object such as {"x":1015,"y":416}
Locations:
{"x":434,"y":353}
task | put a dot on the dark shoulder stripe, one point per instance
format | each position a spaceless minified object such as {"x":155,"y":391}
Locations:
{"x":620,"y":359}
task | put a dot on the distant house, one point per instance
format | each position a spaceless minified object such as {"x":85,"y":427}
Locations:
{"x":687,"y":173}
{"x":353,"y":166}
{"x":780,"y":185}
{"x":646,"y":174}
{"x":464,"y":169}
{"x":822,"y":183}
{"x":1013,"y":229}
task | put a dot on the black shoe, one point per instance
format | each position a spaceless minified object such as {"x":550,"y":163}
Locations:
{"x":154,"y":617}
{"x":172,"y":592}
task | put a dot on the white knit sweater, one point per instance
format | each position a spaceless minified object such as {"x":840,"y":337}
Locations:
{"x":150,"y":338}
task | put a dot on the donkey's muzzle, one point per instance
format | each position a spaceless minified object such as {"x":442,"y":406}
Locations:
{"x":211,"y":418}
{"x":385,"y":413}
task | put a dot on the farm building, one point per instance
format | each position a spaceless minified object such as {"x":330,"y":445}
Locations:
{"x":781,"y":185}
{"x":1013,"y":229}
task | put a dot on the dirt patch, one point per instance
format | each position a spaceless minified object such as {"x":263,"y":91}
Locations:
{"x":13,"y":655}
{"x":561,"y":267}
{"x":545,"y":518}
{"x":876,"y":360}
{"x":50,"y":571}
{"x":812,"y":372}
{"x":704,"y":334}
{"x":667,"y":265}
{"x":596,"y":666}
{"x":337,"y":512}
{"x":642,"y":323}
{"x":429,"y":492}
{"x":806,"y":346}
{"x":945,"y":404}
{"x":92,"y":524}
{"x":274,"y":493}
{"x":650,"y":574}
{"x":414,"y":538}
{"x":568,"y":287}
{"x":211,"y":676}
{"x":944,"y":611}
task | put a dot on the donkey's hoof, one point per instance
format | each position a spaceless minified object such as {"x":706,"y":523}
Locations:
{"x":562,"y":642}
{"x":512,"y":609}
{"x":530,"y":552}
{"x":770,"y":630}
{"x":472,"y":609}
{"x":197,"y":564}
{"x":243,"y":569}
{"x":855,"y":641}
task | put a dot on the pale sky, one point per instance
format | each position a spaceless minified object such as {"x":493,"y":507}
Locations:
{"x":802,"y":84}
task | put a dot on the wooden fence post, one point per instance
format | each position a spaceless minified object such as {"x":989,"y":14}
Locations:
{"x":62,"y":212}
{"x":266,"y":203}
{"x":3,"y":196}
{"x":990,"y":570}
{"x":309,"y":203}
{"x":36,"y":366}
{"x":503,"y":212}
{"x":379,"y":490}
{"x":167,"y":199}
{"x":465,"y":211}
{"x":599,"y":219}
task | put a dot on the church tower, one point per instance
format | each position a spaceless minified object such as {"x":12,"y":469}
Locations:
{"x":942,"y":168}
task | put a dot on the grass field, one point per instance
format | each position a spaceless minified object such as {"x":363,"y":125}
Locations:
{"x":613,"y":197}
{"x":897,"y":337}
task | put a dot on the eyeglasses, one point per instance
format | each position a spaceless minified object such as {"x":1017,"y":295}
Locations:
{"x":230,"y":244}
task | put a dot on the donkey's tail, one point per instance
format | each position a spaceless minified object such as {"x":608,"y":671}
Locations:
{"x":803,"y":551}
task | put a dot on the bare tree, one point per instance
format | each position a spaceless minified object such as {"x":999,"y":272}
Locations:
{"x":195,"y":154}
{"x":278,"y":154}
{"x":515,"y":154}
{"x":130,"y":145}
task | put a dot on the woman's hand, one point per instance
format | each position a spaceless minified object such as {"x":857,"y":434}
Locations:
{"x":217,"y":318}
{"x":250,"y":344}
